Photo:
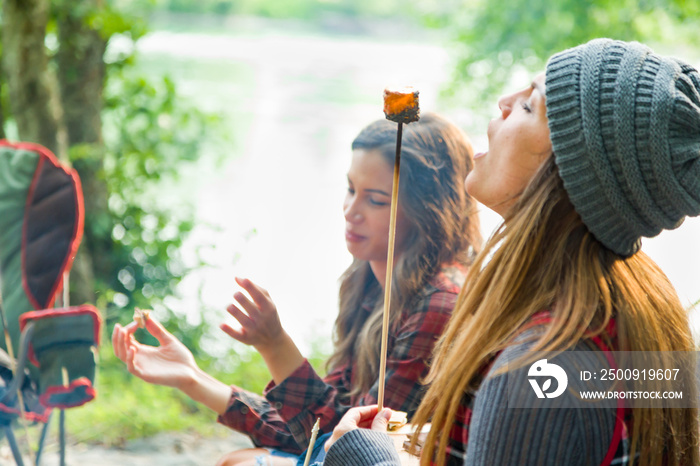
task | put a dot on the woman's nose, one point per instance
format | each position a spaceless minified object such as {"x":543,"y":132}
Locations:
{"x":351,"y":211}
{"x":505,"y":104}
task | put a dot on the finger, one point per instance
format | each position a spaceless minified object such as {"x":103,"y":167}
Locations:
{"x":350,"y":421}
{"x":363,"y":416}
{"x":235,"y":334}
{"x":240,"y":316}
{"x":131,"y":327}
{"x":121,"y":338}
{"x":117,"y":342}
{"x":156,"y":329}
{"x":337,"y":433}
{"x":360,"y":416}
{"x":260,"y":295}
{"x":362,"y":413}
{"x":329,"y":443}
{"x":131,"y":362}
{"x":251,"y":308}
{"x":381,"y":420}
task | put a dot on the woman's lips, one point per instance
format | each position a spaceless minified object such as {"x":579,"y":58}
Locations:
{"x":478,"y":155}
{"x":352,"y":237}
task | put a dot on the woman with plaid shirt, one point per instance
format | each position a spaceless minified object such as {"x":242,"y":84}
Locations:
{"x":437,"y":237}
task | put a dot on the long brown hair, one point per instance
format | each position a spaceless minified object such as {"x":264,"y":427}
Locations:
{"x":544,"y":257}
{"x":435,"y":159}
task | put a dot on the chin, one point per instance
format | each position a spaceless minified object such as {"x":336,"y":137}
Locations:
{"x":353,"y":250}
{"x":358,"y":255}
{"x":471,"y":186}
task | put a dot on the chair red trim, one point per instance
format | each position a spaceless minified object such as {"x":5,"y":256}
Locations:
{"x":45,"y":313}
{"x":45,"y":154}
{"x":46,"y":398}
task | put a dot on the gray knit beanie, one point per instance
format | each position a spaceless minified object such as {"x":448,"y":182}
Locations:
{"x":625,"y":130}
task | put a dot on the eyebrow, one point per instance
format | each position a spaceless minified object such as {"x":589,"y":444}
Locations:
{"x":378,"y":191}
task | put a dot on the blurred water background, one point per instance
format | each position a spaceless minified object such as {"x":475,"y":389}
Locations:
{"x":292,"y":99}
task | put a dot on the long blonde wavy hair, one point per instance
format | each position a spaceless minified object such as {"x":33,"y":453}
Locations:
{"x":544,"y":257}
{"x":435,"y":159}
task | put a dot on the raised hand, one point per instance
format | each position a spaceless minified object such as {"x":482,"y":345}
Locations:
{"x":261,"y":328}
{"x":260,"y":323}
{"x":170,"y":363}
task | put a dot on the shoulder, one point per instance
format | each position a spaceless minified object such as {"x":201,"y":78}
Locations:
{"x":511,"y":423}
{"x":525,"y":338}
{"x":449,"y":279}
{"x":441,"y":291}
{"x":431,"y":308}
{"x":503,"y":433}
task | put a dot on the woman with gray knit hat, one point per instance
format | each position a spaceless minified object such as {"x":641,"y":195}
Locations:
{"x":600,"y":150}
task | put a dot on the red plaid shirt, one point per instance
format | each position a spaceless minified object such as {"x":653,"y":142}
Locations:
{"x":283,"y":417}
{"x":618,"y":452}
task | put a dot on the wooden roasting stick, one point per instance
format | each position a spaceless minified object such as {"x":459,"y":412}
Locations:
{"x":401,"y":106}
{"x":314,"y":433}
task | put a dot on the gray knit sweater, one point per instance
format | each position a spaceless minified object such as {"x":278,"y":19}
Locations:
{"x":500,"y":435}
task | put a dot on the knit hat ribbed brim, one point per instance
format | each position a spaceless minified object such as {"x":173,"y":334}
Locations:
{"x":625,"y":130}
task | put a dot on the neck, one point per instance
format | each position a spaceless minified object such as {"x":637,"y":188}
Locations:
{"x":379,"y":271}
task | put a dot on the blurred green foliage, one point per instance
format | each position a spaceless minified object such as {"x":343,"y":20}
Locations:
{"x":298,"y":9}
{"x":494,"y":39}
{"x":128,"y":408}
{"x":150,"y":135}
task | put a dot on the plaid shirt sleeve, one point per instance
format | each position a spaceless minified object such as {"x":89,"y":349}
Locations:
{"x":284,"y":416}
{"x":304,"y":396}
{"x":254,"y":416}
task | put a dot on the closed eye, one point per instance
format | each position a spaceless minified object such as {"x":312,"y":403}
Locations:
{"x":377,"y":203}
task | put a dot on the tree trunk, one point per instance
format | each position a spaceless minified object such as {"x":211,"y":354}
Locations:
{"x":25,"y":67}
{"x":81,"y":76}
{"x":81,"y":73}
{"x":2,"y":113}
{"x":2,"y":83}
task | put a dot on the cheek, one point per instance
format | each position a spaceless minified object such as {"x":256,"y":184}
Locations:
{"x":377,"y":228}
{"x":380,"y":225}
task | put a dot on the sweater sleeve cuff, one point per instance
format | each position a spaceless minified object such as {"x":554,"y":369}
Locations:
{"x":363,"y":447}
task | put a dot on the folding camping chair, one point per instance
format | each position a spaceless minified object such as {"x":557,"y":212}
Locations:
{"x":41,"y":225}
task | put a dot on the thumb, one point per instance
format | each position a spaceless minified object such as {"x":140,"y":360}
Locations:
{"x":381,"y":420}
{"x":156,"y":329}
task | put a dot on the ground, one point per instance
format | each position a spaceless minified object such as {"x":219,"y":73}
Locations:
{"x":165,"y":449}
